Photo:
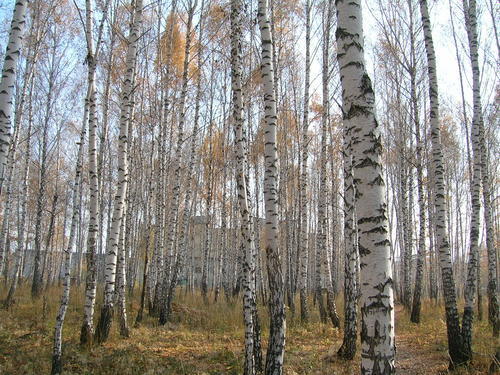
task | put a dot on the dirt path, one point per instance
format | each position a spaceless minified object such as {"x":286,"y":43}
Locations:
{"x":414,"y":358}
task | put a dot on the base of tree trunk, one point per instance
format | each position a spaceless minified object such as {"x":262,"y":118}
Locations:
{"x":163,"y":319}
{"x":124,"y":330}
{"x":332,"y":309}
{"x":153,"y":311}
{"x":56,"y":365}
{"x":321,"y":306}
{"x":236,"y":289}
{"x":415,"y":317}
{"x":304,"y":309}
{"x":495,"y":364}
{"x":166,"y":310}
{"x":8,"y":303}
{"x":493,"y":314}
{"x":276,"y":343}
{"x":415,"y":314}
{"x":86,"y":334}
{"x":154,"y":307}
{"x":104,"y":324}
{"x":257,"y":342}
{"x":347,"y":350}
{"x":139,"y":317}
{"x":10,"y":300}
{"x":291,"y":302}
{"x":479,"y":307}
{"x":466,"y":352}
{"x":204,"y":292}
{"x":458,"y":357}
{"x":36,"y":290}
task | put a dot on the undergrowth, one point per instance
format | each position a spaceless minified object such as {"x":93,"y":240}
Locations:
{"x":208,"y":339}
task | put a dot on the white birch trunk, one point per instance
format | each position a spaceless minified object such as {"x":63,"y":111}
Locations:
{"x":90,"y":116}
{"x":421,"y":251}
{"x":303,"y":234}
{"x":7,"y":84}
{"x":176,"y":164}
{"x":439,"y":203}
{"x":106,"y":317}
{"x":122,"y":275}
{"x":242,"y":186}
{"x":322,"y":256}
{"x":493,"y":305}
{"x":349,"y":343}
{"x":276,"y":345}
{"x":21,"y":237}
{"x":4,"y":250}
{"x":57,"y":367}
{"x":377,"y":301}
{"x":475,"y":222}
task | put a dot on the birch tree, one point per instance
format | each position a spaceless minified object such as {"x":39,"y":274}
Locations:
{"x":7,"y":85}
{"x":23,"y":208}
{"x":438,"y":200}
{"x":53,"y":69}
{"x":90,"y":117}
{"x":303,"y":233}
{"x":479,"y":175}
{"x":57,"y":367}
{"x":377,"y":304}
{"x":106,"y":317}
{"x":472,"y":35}
{"x":242,"y":186}
{"x":322,"y":256}
{"x":277,"y":328}
{"x":176,"y":165}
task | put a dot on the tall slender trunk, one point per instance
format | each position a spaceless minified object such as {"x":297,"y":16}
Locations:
{"x":90,"y":117}
{"x":322,"y":257}
{"x":303,"y":233}
{"x":121,"y":273}
{"x":48,"y":240}
{"x":183,"y":233}
{"x":247,"y":232}
{"x":419,"y":273}
{"x":492,"y":289}
{"x":21,"y":237}
{"x":4,"y":250}
{"x":208,"y":204}
{"x":158,"y":253}
{"x":433,"y":277}
{"x":479,"y":164}
{"x":441,"y":230}
{"x":348,"y":347}
{"x":146,"y":276}
{"x":87,"y":329}
{"x":417,"y":293}
{"x":277,"y":328}
{"x":126,"y":103}
{"x":405,"y":248}
{"x":176,"y":164}
{"x":36,"y":287}
{"x":358,"y":100}
{"x":57,"y":367}
{"x":7,"y":84}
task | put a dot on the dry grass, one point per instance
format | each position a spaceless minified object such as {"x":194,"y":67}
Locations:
{"x":208,"y":340}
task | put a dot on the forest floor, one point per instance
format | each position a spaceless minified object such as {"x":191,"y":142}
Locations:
{"x":205,"y":340}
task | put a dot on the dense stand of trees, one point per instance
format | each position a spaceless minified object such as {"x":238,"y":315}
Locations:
{"x":243,"y":149}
